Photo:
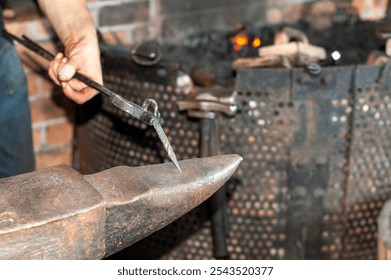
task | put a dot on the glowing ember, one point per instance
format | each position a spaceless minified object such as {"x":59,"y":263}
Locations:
{"x":241,"y":40}
{"x":237,"y":48}
{"x":256,"y":42}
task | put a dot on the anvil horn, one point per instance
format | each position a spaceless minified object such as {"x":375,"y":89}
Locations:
{"x":56,"y":213}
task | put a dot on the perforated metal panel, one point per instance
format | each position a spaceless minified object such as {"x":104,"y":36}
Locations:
{"x":316,"y":163}
{"x":369,"y":178}
{"x":257,"y":205}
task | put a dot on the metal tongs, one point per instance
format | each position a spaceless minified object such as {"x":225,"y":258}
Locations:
{"x":147,"y":113}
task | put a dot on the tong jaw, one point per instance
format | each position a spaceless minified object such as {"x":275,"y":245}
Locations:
{"x":149,"y":114}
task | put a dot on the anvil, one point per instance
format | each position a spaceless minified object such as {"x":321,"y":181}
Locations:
{"x":57,"y":213}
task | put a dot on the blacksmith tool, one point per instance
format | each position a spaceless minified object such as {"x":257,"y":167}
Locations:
{"x":208,"y":105}
{"x":56,"y":213}
{"x":148,"y":113}
{"x":146,"y":53}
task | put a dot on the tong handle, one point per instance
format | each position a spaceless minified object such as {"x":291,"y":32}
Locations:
{"x":132,"y":108}
{"x":31,"y":45}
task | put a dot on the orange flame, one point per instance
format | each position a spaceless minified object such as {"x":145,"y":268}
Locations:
{"x":237,"y":48}
{"x":256,"y":42}
{"x":240,"y":40}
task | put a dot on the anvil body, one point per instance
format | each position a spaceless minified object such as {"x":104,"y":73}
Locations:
{"x":57,"y":213}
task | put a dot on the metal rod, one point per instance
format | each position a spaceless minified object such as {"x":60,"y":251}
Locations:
{"x":217,"y":204}
{"x":117,"y":100}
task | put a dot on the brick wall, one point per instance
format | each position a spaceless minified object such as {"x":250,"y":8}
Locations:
{"x":50,"y":110}
{"x":135,"y":20}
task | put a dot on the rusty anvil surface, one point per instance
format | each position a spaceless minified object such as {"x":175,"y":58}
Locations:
{"x":56,"y":213}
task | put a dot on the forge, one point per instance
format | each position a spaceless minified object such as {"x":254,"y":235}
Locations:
{"x":313,"y":130}
{"x":299,"y":89}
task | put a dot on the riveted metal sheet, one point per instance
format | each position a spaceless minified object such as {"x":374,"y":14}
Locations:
{"x":318,"y":161}
{"x":369,"y":181}
{"x":257,"y":208}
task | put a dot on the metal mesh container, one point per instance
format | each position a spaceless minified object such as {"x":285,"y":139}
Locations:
{"x":316,"y":149}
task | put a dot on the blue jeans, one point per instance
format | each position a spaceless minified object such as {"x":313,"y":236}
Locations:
{"x":16,"y":149}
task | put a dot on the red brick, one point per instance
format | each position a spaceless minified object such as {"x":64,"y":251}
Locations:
{"x":371,"y":9}
{"x":140,"y":34}
{"x":274,"y":15}
{"x":111,"y":39}
{"x":37,"y":138}
{"x":125,"y":13}
{"x":38,"y":27}
{"x":45,"y":109}
{"x":9,"y":13}
{"x":47,"y":85}
{"x":26,"y":67}
{"x":34,"y":61}
{"x":30,"y":59}
{"x":42,"y":27}
{"x":365,"y":5}
{"x":322,"y":7}
{"x":33,"y":81}
{"x":292,"y":13}
{"x":38,"y":83}
{"x":28,"y":13}
{"x":51,"y":46}
{"x":359,"y":4}
{"x":17,"y":27}
{"x":47,"y":159}
{"x":59,"y":134}
{"x":320,"y":15}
